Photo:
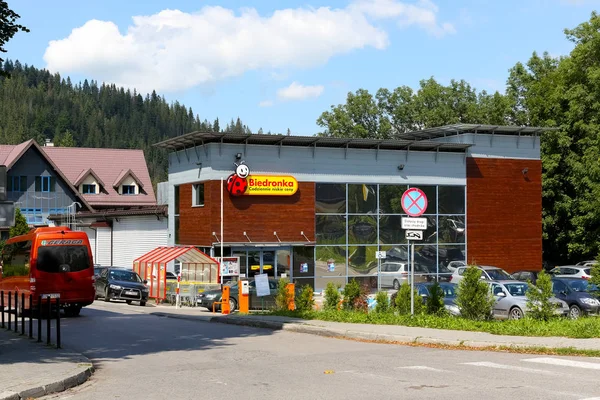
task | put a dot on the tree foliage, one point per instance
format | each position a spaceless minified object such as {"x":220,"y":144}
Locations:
{"x":332,"y":296}
{"x":402,"y":300}
{"x":8,"y":28}
{"x":283,"y":297}
{"x":21,"y":227}
{"x":305,"y":300}
{"x":539,"y":305}
{"x":474,"y":299}
{"x":39,"y":105}
{"x":435,"y":300}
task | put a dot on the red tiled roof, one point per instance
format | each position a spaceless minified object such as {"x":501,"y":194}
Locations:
{"x":84,"y":174}
{"x":124,"y":174}
{"x":106,"y":164}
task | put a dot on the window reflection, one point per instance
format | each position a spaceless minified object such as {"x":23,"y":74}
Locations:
{"x":431,"y":194}
{"x":390,"y":199}
{"x":452,"y":199}
{"x":362,"y":229}
{"x":390,"y":230}
{"x":452,"y":229}
{"x":331,"y":229}
{"x":361,"y":260}
{"x":362,"y":199}
{"x":330,"y":198}
{"x":330,"y":261}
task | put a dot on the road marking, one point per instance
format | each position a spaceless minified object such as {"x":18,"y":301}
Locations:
{"x":591,"y":398}
{"x":421,"y":367}
{"x":563,"y":363}
{"x":509,"y":367}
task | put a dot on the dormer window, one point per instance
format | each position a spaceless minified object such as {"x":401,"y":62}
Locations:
{"x":128,"y":189}
{"x":88,"y":188}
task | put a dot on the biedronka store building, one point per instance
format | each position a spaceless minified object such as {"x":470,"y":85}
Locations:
{"x":317,"y":209}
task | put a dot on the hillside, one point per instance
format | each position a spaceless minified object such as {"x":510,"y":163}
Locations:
{"x":37,"y":104}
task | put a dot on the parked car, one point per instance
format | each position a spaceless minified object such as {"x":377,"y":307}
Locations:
{"x":489,"y":273}
{"x":207,"y":298}
{"x":571,"y":271}
{"x":511,"y":301}
{"x":589,"y":263}
{"x":577,"y":293}
{"x":526,"y":276}
{"x":115,"y":283}
{"x":452,"y":265}
{"x":394,"y":274}
{"x":450,"y":292}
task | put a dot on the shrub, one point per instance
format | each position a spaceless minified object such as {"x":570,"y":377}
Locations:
{"x":382,"y":302}
{"x":283,"y":297}
{"x":402,"y":300}
{"x":595,"y":279}
{"x":538,"y":298}
{"x":351,"y":294}
{"x":474,"y":298}
{"x":332,"y":296}
{"x":435,"y":301}
{"x":305,"y":300}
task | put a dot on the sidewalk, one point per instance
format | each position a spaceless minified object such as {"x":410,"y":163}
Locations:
{"x":380,"y":333}
{"x":31,"y":369}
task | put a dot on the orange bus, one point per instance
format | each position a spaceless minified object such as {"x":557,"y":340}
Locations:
{"x":49,"y":261}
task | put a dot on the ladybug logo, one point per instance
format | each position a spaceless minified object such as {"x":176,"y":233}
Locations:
{"x":237,"y":183}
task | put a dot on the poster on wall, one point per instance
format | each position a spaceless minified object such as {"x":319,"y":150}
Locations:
{"x":230,"y":266}
{"x":262,"y":285}
{"x":303,"y":268}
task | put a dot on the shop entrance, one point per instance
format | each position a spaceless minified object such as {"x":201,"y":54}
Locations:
{"x":272,"y":262}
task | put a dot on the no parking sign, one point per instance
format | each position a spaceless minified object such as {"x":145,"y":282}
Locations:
{"x":414,"y":202}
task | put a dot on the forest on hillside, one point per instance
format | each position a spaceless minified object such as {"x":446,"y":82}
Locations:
{"x":35,"y":104}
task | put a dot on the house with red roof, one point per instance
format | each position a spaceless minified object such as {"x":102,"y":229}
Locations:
{"x":105,"y":192}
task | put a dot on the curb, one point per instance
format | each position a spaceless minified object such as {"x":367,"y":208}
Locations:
{"x":299,"y":327}
{"x":54,"y":387}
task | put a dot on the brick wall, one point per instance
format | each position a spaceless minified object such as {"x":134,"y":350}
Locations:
{"x":258,"y":216}
{"x":504,"y":213}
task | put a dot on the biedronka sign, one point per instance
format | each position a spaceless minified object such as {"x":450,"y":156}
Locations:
{"x":242,"y":183}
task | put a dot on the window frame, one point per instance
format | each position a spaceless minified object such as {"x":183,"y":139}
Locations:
{"x":128,"y":186}
{"x":197,"y":190}
{"x":17,"y":183}
{"x":85,"y":186}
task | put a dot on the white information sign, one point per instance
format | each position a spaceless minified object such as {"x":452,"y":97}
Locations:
{"x":380,"y":254}
{"x":414,"y":235}
{"x":417,"y":224}
{"x":262,"y":285}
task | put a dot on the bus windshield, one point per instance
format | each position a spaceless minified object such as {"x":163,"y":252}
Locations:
{"x":55,"y":259}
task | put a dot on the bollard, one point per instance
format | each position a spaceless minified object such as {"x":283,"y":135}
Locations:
{"x":16,"y":312}
{"x":291,"y":289}
{"x":48,"y":326}
{"x":2,"y":307}
{"x":39,"y":324}
{"x":9,"y":307}
{"x":58,"y":323}
{"x":30,"y":316}
{"x":22,"y":314}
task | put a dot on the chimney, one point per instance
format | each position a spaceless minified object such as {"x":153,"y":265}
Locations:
{"x":48,"y":143}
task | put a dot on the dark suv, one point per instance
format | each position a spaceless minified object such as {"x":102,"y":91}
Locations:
{"x":121,"y":284}
{"x":576,"y":293}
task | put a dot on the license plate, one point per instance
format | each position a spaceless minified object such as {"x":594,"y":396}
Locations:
{"x":131,"y":293}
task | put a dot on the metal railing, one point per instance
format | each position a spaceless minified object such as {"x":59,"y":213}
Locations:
{"x":13,"y":303}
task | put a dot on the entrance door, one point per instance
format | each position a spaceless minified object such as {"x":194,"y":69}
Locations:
{"x":268,"y":261}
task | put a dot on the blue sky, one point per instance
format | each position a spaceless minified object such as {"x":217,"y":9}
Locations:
{"x":280,"y":66}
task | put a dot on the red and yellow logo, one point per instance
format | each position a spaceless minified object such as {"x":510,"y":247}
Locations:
{"x":270,"y":185}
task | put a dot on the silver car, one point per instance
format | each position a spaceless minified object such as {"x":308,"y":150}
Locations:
{"x":511,"y":301}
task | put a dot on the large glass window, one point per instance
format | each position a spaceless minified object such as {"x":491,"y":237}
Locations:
{"x":331,"y":229}
{"x":390,"y":199}
{"x":304,"y":262}
{"x":330,"y":198}
{"x":452,"y":199}
{"x":362,"y":229}
{"x":362,"y":199}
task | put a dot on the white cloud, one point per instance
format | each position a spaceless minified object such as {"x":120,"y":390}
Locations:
{"x":297,"y":91}
{"x":265,"y":103}
{"x":172,"y":50}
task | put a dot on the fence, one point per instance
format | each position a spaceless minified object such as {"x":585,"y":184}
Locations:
{"x":18,"y":305}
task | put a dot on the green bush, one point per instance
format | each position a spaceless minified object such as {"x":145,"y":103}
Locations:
{"x":595,"y":279}
{"x":435,"y":301}
{"x":383,"y":302}
{"x":305,"y":300}
{"x":474,"y":298}
{"x":538,"y":298}
{"x":283,"y":297}
{"x":351,"y":294}
{"x":332,"y":296}
{"x":403,"y":300}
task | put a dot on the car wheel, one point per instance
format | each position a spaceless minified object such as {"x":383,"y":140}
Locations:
{"x":396,"y":284}
{"x":128,"y":301}
{"x":574,"y":312}
{"x":142,"y":303}
{"x":72,"y":311}
{"x":232,"y":305}
{"x":515,"y":313}
{"x":106,"y":296}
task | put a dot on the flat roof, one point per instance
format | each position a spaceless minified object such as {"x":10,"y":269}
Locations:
{"x":194,"y":139}
{"x":415,"y":140}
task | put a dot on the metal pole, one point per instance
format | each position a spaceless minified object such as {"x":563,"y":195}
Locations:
{"x":221,"y":231}
{"x":39,"y":322}
{"x":412,"y":278}
{"x":378,"y":274}
{"x":58,"y":323}
{"x":48,"y":333}
{"x":30,"y":316}
{"x":16,"y":312}
{"x":22,"y":313}
{"x":2,"y":307}
{"x":9,"y":307}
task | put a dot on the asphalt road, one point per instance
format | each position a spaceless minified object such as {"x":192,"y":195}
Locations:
{"x":140,"y":356}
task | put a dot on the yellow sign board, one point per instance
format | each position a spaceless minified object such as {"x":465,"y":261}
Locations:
{"x":271,"y":185}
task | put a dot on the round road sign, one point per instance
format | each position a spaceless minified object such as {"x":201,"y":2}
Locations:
{"x":414,"y":202}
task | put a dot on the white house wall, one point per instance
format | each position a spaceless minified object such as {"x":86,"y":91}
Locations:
{"x":103,"y":246}
{"x":136,"y":236}
{"x":91,"y":233}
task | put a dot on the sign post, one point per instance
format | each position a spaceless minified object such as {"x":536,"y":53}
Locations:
{"x":379,"y":255}
{"x":414,"y":204}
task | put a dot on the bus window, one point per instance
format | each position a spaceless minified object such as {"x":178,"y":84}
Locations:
{"x":63,"y":259}
{"x":15,"y":259}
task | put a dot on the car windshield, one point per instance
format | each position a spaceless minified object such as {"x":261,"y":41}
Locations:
{"x":498,"y":275}
{"x":449,"y":290}
{"x":124,"y":276}
{"x":516,"y":289}
{"x":581,"y":285}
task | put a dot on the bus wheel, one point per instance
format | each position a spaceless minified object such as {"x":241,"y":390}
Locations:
{"x":72,"y":311}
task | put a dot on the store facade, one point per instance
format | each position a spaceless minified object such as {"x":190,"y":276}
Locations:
{"x":318,"y":209}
